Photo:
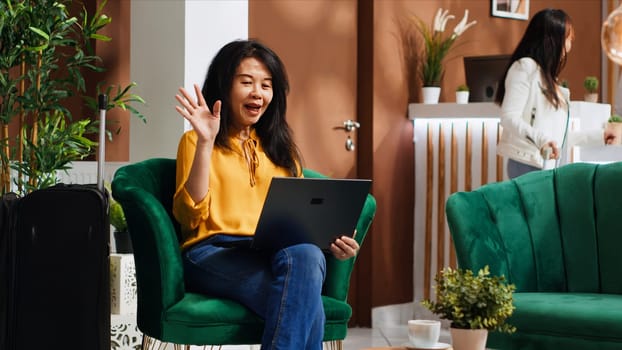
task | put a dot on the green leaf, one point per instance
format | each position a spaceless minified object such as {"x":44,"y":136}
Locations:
{"x":40,"y":32}
{"x":100,"y":37}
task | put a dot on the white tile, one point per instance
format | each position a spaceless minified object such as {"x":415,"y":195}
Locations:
{"x":392,"y":315}
{"x":395,"y":335}
{"x":358,"y":338}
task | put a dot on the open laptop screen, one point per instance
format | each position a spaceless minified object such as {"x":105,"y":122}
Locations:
{"x":309,"y":210}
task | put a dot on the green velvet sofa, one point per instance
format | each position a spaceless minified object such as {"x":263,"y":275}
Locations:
{"x":169,"y":313}
{"x":556,"y":235}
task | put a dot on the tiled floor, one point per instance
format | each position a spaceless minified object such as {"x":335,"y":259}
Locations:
{"x":361,"y":338}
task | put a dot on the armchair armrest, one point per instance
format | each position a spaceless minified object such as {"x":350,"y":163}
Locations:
{"x":338,"y":273}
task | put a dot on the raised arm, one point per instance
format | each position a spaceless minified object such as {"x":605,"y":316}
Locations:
{"x":206,"y":124}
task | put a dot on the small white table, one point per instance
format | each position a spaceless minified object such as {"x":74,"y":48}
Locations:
{"x":124,"y":333}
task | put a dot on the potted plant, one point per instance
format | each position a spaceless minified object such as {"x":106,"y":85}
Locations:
{"x":43,"y":56}
{"x":591,"y":87}
{"x":462,"y":94}
{"x":474,"y":303}
{"x":615,"y":124}
{"x":436,"y":47}
{"x":122,"y":239}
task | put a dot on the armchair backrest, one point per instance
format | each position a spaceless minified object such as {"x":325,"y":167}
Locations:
{"x":145,"y":191}
{"x":553,"y":230}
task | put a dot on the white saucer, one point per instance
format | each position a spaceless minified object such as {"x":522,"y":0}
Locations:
{"x":409,"y":346}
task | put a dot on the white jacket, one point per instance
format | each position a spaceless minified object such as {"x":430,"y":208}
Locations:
{"x":529,"y":120}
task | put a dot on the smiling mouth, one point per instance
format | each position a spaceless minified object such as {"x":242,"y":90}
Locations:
{"x":253,"y":107}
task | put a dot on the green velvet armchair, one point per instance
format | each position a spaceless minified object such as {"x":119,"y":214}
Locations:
{"x":555,"y":234}
{"x":166,"y":311}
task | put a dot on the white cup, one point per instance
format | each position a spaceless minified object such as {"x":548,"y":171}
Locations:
{"x":424,"y":333}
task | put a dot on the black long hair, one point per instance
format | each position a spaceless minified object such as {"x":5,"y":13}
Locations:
{"x":544,"y":41}
{"x":272,"y":128}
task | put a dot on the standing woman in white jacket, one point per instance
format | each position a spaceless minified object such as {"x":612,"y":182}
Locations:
{"x":534,"y":106}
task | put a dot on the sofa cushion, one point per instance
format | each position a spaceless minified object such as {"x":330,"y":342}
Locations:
{"x":556,"y":235}
{"x":569,"y":321}
{"x":608,"y":210}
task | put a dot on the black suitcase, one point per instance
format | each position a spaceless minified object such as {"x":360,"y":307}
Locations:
{"x":61,"y":291}
{"x":7,"y":256}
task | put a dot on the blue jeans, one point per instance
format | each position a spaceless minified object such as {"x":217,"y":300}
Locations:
{"x":516,"y":168}
{"x":283,"y":287}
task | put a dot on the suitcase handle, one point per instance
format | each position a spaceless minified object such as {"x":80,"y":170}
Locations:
{"x":103,"y":104}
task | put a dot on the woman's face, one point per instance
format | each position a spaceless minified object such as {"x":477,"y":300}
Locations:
{"x":251,"y":92}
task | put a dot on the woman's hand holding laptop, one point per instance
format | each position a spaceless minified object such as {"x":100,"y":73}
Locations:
{"x":344,"y":247}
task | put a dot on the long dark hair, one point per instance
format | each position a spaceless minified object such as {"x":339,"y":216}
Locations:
{"x":544,"y":41}
{"x":272,"y":128}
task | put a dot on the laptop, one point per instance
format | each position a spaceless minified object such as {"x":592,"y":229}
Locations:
{"x":309,"y":210}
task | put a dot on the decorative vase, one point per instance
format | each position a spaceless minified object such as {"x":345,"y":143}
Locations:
{"x":617,"y":129}
{"x":592,"y":97}
{"x":123,"y":242}
{"x":430,"y":94}
{"x":462,"y":97}
{"x":468,"y":339}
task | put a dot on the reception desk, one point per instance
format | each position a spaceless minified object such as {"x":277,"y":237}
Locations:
{"x":455,"y":150}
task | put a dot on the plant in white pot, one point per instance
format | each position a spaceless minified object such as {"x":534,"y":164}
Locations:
{"x":474,"y":303}
{"x":591,"y":88}
{"x":436,"y":47}
{"x":462,"y":94}
{"x":615,"y":124}
{"x":122,"y":239}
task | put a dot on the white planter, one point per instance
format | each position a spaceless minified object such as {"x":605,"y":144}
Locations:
{"x":430,"y":94}
{"x":617,"y":129}
{"x":468,"y":339}
{"x":591,"y":97}
{"x":462,"y":97}
{"x":123,"y":297}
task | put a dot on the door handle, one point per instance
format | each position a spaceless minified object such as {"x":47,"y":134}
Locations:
{"x":349,"y":125}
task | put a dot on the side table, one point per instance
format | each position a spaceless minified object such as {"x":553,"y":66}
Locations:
{"x":124,"y":333}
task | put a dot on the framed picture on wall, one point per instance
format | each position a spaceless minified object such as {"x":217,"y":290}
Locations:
{"x":517,"y":9}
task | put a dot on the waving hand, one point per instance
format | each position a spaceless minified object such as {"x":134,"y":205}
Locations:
{"x":205,"y":122}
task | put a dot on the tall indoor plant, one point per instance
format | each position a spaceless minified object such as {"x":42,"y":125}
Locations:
{"x":475,"y":302}
{"x":437,"y":44}
{"x":44,"y":52}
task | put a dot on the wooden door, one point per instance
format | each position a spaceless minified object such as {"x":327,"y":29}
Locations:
{"x":318,"y":42}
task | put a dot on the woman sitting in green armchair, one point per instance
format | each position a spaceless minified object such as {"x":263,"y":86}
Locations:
{"x":240,"y":140}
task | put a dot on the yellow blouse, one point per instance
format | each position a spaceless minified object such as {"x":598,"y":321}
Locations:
{"x":237,"y":189}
